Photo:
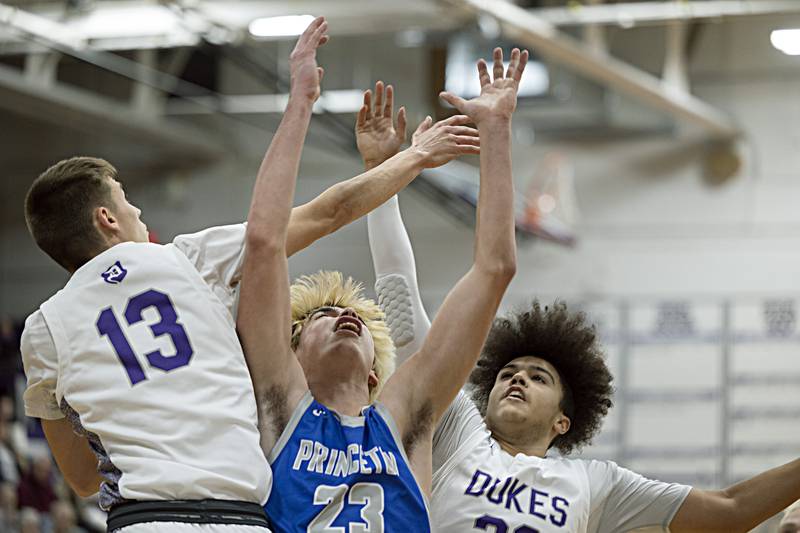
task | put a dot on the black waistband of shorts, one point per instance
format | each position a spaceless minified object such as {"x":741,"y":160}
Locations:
{"x":187,"y":511}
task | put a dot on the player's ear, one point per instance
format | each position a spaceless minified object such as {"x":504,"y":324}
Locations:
{"x":373,"y":380}
{"x":562,"y":424}
{"x":105,"y":220}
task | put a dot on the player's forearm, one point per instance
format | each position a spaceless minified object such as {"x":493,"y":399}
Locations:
{"x":349,"y":200}
{"x":264,"y":315}
{"x":388,"y":241}
{"x":740,"y":507}
{"x":359,"y":195}
{"x":495,"y":246}
{"x":74,"y":458}
{"x":369,"y":164}
{"x":758,"y":498}
{"x":392,"y":255}
{"x":274,"y":189}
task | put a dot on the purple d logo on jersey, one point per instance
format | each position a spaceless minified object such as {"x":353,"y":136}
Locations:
{"x":115,"y":273}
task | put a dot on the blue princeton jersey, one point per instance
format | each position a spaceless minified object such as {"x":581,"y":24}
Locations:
{"x":344,"y":474}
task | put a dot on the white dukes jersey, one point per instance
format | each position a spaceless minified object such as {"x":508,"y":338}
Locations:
{"x":140,"y":351}
{"x":479,"y":487}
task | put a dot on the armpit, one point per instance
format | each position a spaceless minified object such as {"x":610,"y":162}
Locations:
{"x":273,"y":411}
{"x":421,"y":423}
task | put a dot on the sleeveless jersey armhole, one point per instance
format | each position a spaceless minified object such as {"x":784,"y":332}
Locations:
{"x":387,"y":419}
{"x":302,"y":407}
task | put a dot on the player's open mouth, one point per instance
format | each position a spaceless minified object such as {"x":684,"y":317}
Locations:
{"x":515,"y":393}
{"x":347,"y":323}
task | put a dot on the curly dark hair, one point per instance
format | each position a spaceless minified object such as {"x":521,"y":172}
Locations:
{"x":565,"y":340}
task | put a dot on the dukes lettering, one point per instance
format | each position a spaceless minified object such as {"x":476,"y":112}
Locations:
{"x":511,"y":493}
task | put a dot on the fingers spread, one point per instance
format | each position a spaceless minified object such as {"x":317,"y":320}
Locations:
{"x":316,"y":23}
{"x":424,"y":126}
{"x":498,"y":63}
{"x":401,"y":123}
{"x":319,"y":33}
{"x":466,"y":140}
{"x":315,"y":31}
{"x":512,"y":64}
{"x":523,"y":60}
{"x":361,"y":119}
{"x":310,"y":29}
{"x":368,"y":104}
{"x":378,"y":110}
{"x":483,"y":73}
{"x":462,"y":130}
{"x":312,"y":37}
{"x":453,"y":100}
{"x":388,"y":108}
{"x":465,"y":149}
{"x":456,"y":120}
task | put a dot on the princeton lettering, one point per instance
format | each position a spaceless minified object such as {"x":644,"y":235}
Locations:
{"x":314,"y":456}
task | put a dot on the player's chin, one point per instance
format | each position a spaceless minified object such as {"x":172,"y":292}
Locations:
{"x":510,"y":415}
{"x":513,"y":406}
{"x":513,"y":401}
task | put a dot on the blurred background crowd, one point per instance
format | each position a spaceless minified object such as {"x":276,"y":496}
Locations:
{"x":33,"y":496}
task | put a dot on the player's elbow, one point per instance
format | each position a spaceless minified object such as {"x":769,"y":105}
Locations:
{"x":85,"y":492}
{"x":86,"y":486}
{"x":507,"y":268}
{"x":728,"y":512}
{"x":501,"y":269}
{"x":715,"y":511}
{"x":731,"y":513}
{"x":329,"y":212}
{"x":265,"y":242}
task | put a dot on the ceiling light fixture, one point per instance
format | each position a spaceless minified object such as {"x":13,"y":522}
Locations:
{"x":787,"y":41}
{"x":286,"y":26}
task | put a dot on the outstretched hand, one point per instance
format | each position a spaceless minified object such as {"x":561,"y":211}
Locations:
{"x":498,"y":98}
{"x":378,"y":137}
{"x":306,"y":76}
{"x":445,"y":140}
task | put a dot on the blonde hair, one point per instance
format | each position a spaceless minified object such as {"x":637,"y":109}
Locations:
{"x":327,"y":288}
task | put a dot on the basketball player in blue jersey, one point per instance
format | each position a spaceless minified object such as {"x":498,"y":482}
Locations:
{"x":340,"y":466}
{"x":160,"y":370}
{"x":542,"y":383}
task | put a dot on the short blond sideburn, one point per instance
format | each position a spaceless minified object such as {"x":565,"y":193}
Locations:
{"x":328,"y":288}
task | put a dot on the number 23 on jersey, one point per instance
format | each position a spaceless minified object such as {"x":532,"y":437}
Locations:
{"x":370,"y":495}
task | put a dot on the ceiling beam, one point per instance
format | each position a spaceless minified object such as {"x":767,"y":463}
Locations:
{"x":43,"y":98}
{"x":638,"y":13}
{"x":540,"y":35}
{"x":83,"y":110}
{"x":117,"y":25}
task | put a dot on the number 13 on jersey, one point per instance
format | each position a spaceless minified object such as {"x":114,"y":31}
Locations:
{"x":108,"y":325}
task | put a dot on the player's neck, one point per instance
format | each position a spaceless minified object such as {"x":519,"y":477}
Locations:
{"x":343,"y":397}
{"x":516,"y":444}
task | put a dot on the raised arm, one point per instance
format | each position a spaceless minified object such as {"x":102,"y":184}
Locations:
{"x":378,"y":137}
{"x":351,"y":199}
{"x":424,"y":386}
{"x":264,"y":316}
{"x":740,"y":507}
{"x":396,"y":279}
